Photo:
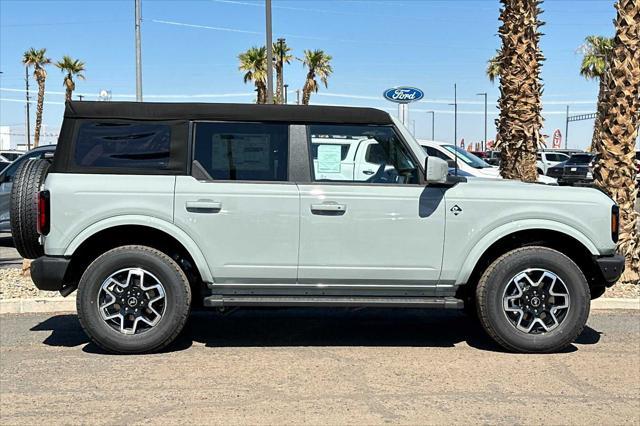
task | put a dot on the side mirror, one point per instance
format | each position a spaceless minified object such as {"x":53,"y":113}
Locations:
{"x":451,"y":164}
{"x":435,"y":170}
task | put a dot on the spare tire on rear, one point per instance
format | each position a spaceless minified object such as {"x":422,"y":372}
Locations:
{"x":24,"y":207}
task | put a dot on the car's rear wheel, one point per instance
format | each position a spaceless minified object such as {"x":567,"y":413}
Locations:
{"x":533,"y":299}
{"x":133,"y":299}
{"x":27,"y":183}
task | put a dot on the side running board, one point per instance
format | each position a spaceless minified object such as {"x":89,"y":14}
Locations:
{"x":382,"y":302}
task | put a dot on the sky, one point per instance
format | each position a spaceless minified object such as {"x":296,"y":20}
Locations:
{"x":190,"y":49}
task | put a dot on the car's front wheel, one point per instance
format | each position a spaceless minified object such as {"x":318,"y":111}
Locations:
{"x":533,"y":299}
{"x":133,"y":299}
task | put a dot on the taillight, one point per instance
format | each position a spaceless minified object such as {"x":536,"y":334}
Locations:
{"x":615,"y":223}
{"x":43,"y":212}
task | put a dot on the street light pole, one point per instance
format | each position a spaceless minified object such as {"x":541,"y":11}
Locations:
{"x":286,"y":88}
{"x":484,"y":142}
{"x":27,"y":121}
{"x":269,"y":42}
{"x":566,"y":129}
{"x":433,"y":124}
{"x":138,"y":17}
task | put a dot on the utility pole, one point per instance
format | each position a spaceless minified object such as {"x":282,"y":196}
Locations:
{"x":297,"y":96}
{"x":80,"y":97}
{"x":138,"y":17}
{"x":484,"y":142}
{"x":433,"y":124}
{"x":286,"y":89}
{"x":281,"y":82}
{"x":566,"y":129}
{"x":27,"y":121}
{"x":269,"y":53}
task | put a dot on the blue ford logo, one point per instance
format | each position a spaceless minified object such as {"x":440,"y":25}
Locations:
{"x":403,"y":95}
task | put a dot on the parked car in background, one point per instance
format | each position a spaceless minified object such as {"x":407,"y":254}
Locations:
{"x":3,"y":163}
{"x":556,"y":171}
{"x":11,"y":154}
{"x":468,"y":162}
{"x":578,"y":170}
{"x":6,"y":181}
{"x":548,"y":159}
{"x":493,"y":158}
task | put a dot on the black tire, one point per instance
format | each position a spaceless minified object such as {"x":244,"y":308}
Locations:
{"x":491,"y":288}
{"x":24,"y":207}
{"x":177,"y":297}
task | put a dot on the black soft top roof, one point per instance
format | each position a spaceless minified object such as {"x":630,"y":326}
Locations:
{"x":226,"y":112}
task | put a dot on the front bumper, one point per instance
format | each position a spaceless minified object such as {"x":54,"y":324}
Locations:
{"x":47,"y":272}
{"x":611,"y":267}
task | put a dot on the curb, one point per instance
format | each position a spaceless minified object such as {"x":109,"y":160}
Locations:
{"x":68,"y":304}
{"x":38,"y":305}
{"x":615,"y":303}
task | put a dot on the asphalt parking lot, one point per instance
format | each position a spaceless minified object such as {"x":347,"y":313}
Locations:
{"x":319,"y":366}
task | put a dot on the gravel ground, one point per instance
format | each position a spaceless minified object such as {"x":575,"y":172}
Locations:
{"x":15,"y":285}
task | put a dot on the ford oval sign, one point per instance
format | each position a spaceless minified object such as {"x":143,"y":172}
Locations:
{"x":403,"y":95}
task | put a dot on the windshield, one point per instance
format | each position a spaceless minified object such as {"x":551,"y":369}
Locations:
{"x":467,"y":157}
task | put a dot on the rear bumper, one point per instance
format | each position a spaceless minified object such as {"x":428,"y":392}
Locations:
{"x":611,"y":267}
{"x":47,"y":272}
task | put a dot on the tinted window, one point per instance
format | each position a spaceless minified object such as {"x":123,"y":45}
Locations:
{"x":433,"y":152}
{"x":580,"y":159}
{"x":555,"y":156}
{"x":123,"y":145}
{"x":243,"y":151}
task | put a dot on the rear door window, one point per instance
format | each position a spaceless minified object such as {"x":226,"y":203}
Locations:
{"x":243,"y":151}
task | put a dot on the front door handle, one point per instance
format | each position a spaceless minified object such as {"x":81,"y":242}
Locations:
{"x":329,"y":209}
{"x":203,"y":206}
{"x":368,"y":172}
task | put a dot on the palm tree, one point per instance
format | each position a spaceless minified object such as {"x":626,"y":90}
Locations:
{"x":253,"y":62}
{"x":493,"y":67}
{"x":318,"y":65}
{"x":520,"y":121}
{"x":596,"y":51}
{"x":615,"y":171}
{"x":73,"y":68}
{"x":282,"y":56}
{"x":38,"y":59}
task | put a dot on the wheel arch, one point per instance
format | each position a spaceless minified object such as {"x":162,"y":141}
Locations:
{"x":557,"y":236}
{"x":124,"y":230}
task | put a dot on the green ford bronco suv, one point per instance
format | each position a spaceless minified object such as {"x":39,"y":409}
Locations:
{"x":149,"y":208}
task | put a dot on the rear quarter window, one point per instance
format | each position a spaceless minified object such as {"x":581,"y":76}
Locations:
{"x":123,"y":145}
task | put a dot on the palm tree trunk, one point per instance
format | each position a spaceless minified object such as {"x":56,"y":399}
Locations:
{"x":39,"y":108}
{"x":520,"y":120}
{"x":615,"y":171}
{"x":68,"y":82}
{"x":306,"y":89}
{"x":597,"y":125}
{"x":262,"y":93}
{"x":279,"y":85}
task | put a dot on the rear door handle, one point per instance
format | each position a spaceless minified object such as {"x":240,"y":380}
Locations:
{"x":203,"y":206}
{"x":328,"y":209}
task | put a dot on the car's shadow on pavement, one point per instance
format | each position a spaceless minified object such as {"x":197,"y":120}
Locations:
{"x":312,"y":327}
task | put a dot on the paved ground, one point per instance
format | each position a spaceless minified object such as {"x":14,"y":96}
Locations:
{"x":319,"y":366}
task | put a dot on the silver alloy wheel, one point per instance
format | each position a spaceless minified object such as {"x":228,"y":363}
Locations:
{"x":132,"y":300}
{"x":536,"y":301}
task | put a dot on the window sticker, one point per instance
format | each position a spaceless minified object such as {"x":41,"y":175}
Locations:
{"x":329,"y":157}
